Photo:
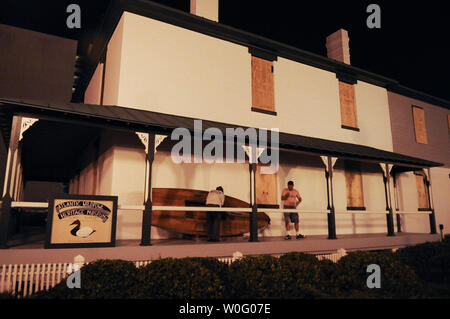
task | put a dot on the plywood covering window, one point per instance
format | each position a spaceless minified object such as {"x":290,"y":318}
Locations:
{"x":348,"y":106}
{"x":262,"y":85}
{"x":354,"y":186}
{"x":266,"y":189}
{"x":422,"y":192}
{"x":420,"y":128}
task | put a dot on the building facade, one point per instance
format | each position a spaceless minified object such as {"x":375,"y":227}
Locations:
{"x":345,"y":123}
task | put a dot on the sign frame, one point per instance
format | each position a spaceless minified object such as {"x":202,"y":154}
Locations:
{"x":49,"y":225}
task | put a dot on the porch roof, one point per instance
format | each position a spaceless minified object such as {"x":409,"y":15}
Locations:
{"x":146,"y":121}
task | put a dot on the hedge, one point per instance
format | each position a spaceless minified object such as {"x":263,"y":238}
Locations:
{"x":414,"y":272}
{"x":188,"y":278}
{"x":103,"y":279}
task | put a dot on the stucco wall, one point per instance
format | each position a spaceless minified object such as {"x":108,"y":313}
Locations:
{"x":169,"y":69}
{"x":404,"y":142}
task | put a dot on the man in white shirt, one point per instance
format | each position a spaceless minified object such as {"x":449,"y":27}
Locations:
{"x":215,"y":198}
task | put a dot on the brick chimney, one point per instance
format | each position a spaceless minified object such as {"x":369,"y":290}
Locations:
{"x":337,"y":46}
{"x":208,"y":9}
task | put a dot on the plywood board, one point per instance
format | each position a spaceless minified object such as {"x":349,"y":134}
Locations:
{"x":348,"y":104}
{"x":420,"y":128}
{"x":354,"y":185}
{"x":422,"y":194}
{"x":266,"y":188}
{"x":262,"y":84}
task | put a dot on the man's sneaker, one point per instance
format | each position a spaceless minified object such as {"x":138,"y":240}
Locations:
{"x":287,"y":237}
{"x":300,"y":236}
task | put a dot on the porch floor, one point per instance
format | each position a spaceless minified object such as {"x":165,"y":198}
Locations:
{"x":179,"y":248}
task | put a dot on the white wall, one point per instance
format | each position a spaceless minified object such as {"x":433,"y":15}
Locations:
{"x":169,"y":69}
{"x":408,"y":202}
{"x":307,"y":172}
{"x":440,"y":188}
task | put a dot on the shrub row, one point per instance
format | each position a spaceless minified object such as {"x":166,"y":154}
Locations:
{"x":414,"y":272}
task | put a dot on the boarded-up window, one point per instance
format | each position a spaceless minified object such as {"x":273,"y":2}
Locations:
{"x":266,"y":188}
{"x":420,"y":128}
{"x":262,"y":84}
{"x":348,"y":105}
{"x":354,"y":185}
{"x":422,"y":192}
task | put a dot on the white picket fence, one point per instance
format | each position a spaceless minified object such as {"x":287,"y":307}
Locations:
{"x":26,"y":279}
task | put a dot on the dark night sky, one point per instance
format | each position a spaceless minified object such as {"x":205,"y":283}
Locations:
{"x":411,"y":47}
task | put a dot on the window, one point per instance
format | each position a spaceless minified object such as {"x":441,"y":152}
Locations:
{"x":263,"y":99}
{"x":354,"y":186}
{"x":422,"y":191}
{"x":420,"y":129}
{"x":348,"y":106}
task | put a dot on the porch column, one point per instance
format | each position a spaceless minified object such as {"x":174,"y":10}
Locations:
{"x":149,"y":142}
{"x":432,"y":216}
{"x":253,"y":154}
{"x":397,"y":209}
{"x":331,"y":217}
{"x":390,"y":216}
{"x":254,"y":213}
{"x":5,"y":212}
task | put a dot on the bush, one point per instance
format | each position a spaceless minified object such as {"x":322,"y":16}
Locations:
{"x":190,"y":278}
{"x":307,"y":277}
{"x":397,"y":279}
{"x":425,"y":260}
{"x":257,"y":277}
{"x":7,"y":295}
{"x":103,"y":279}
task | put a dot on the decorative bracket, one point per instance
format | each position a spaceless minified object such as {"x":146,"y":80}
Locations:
{"x":159,"y":139}
{"x":27,"y":122}
{"x":144,"y":139}
{"x":248,"y":151}
{"x":325,"y":161}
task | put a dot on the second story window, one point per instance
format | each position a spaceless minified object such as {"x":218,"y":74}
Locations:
{"x":420,"y":129}
{"x":348,"y":106}
{"x":263,"y":99}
